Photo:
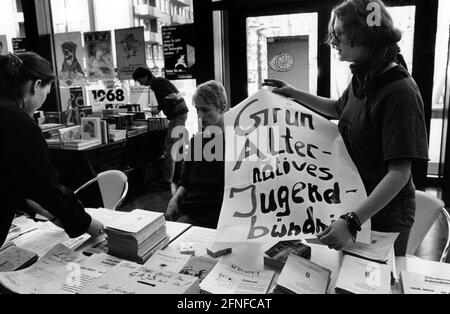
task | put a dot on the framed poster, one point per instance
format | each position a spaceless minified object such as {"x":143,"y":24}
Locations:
{"x":69,"y":59}
{"x":98,"y":48}
{"x":130,"y":48}
{"x":179,"y":51}
{"x":3,"y":45}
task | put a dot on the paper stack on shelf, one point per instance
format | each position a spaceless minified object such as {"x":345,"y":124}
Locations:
{"x":137,"y":235}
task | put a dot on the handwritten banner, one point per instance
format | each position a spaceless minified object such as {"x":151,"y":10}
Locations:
{"x":288,"y":174}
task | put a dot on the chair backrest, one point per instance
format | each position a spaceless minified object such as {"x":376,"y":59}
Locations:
{"x":113,"y":187}
{"x":428,"y":209}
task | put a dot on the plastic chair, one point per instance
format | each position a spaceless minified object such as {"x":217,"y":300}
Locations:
{"x":428,"y":209}
{"x":113,"y":186}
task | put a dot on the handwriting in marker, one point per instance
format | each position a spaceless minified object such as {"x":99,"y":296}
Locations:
{"x":351,"y":191}
{"x":327,"y":153}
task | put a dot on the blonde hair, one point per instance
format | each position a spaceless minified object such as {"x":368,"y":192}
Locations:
{"x":212,"y":93}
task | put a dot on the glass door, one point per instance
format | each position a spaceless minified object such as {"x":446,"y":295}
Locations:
{"x":283,"y":47}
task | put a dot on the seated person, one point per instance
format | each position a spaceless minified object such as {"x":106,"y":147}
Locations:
{"x":199,"y":197}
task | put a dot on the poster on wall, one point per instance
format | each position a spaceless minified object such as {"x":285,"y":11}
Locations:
{"x":99,"y":57}
{"x":130,"y":48}
{"x":20,"y":45}
{"x":288,"y":174}
{"x":3,"y":45}
{"x":179,"y":51}
{"x":288,"y":60}
{"x":69,"y":59}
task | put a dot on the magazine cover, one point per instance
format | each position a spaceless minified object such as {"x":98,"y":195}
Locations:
{"x":3,"y":45}
{"x":69,"y":59}
{"x":91,"y":128}
{"x":130,"y":48}
{"x":99,"y":55}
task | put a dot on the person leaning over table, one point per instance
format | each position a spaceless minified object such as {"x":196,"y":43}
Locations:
{"x":198,"y":200}
{"x":28,"y":181}
{"x":173,"y":105}
{"x":381,"y":119}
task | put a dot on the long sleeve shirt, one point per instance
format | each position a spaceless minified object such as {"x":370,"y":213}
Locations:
{"x":26,"y":173}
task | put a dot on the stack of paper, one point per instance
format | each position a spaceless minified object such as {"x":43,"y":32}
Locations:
{"x":58,"y":264}
{"x":300,"y":276}
{"x":378,"y":250}
{"x":130,"y":278}
{"x":229,"y":278}
{"x":137,"y":235}
{"x":169,"y":261}
{"x":361,"y":276}
{"x":414,"y":283}
{"x":42,"y":239}
{"x":199,"y":266}
{"x":278,"y":254}
{"x":13,"y":258}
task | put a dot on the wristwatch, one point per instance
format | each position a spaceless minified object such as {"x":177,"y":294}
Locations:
{"x":353,"y":222}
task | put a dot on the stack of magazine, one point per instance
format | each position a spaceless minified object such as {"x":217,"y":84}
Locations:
{"x":137,"y":235}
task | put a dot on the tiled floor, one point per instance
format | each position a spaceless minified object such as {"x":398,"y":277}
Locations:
{"x":430,"y":249}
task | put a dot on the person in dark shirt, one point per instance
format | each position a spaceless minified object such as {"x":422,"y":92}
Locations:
{"x":381,"y":119}
{"x":172,"y":104}
{"x":198,"y":200}
{"x":28,"y":181}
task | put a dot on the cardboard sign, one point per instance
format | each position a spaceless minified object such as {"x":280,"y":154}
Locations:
{"x":288,"y":174}
{"x":130,"y":48}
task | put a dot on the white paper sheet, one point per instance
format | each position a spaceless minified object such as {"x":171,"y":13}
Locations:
{"x":44,"y":238}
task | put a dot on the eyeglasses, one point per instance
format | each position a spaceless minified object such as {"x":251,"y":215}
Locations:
{"x":336,"y":38}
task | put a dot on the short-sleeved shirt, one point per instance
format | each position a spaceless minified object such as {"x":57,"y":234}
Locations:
{"x":388,"y":127}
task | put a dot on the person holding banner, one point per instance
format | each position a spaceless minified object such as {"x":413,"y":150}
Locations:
{"x":172,"y":104}
{"x":198,"y":200}
{"x":381,"y":119}
{"x":28,"y":181}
